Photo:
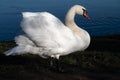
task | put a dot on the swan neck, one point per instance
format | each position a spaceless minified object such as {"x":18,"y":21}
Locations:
{"x":81,"y":34}
{"x":69,"y":21}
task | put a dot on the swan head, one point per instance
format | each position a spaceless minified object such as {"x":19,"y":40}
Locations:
{"x":81,"y":11}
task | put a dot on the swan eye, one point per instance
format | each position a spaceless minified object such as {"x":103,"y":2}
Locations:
{"x":84,"y":10}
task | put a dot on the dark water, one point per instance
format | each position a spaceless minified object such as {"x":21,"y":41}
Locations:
{"x":105,"y":15}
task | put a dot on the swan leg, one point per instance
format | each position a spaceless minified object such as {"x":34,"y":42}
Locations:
{"x":55,"y":64}
{"x":51,"y":62}
{"x":58,"y":65}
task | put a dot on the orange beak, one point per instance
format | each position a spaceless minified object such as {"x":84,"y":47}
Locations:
{"x":86,"y":15}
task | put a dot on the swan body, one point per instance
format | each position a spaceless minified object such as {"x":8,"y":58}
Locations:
{"x":46,"y":35}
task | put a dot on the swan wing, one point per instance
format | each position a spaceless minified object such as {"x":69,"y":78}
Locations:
{"x":45,"y":30}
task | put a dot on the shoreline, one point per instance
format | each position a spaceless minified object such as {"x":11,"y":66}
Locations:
{"x":98,"y":43}
{"x":102,"y":36}
{"x":105,"y":43}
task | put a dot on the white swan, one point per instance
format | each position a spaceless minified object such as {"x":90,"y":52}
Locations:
{"x":46,"y":35}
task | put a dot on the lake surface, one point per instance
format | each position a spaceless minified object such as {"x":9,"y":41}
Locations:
{"x":105,"y":15}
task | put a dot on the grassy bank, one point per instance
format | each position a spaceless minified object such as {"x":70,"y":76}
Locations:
{"x":100,"y":61}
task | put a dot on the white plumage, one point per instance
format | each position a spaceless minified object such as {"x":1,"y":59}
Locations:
{"x":46,"y":35}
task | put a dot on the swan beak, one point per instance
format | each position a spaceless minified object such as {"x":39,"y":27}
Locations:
{"x":86,"y":15}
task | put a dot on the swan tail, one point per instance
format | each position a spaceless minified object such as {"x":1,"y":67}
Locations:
{"x":23,"y":49}
{"x":11,"y":52}
{"x":18,"y":50}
